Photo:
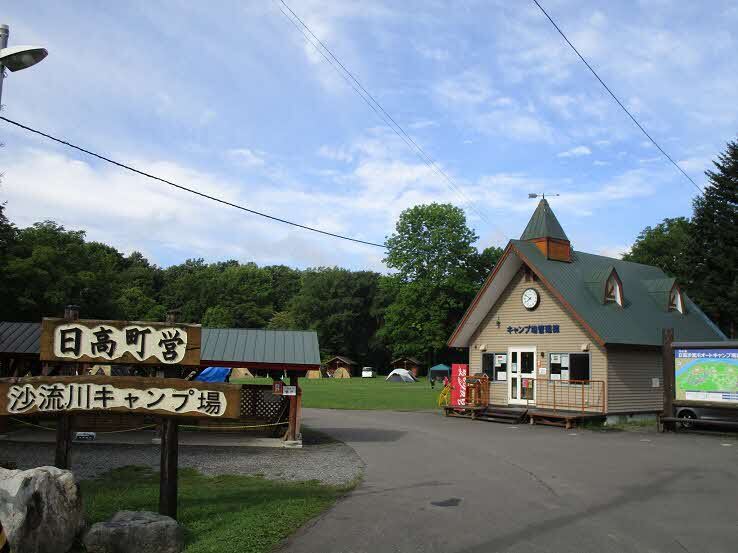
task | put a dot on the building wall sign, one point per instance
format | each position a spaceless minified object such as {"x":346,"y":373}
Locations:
{"x":121,"y":341}
{"x":706,"y":375}
{"x":548,"y":328}
{"x":59,"y":395}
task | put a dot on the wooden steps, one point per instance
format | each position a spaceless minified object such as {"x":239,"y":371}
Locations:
{"x":520,"y":415}
{"x":488,"y":413}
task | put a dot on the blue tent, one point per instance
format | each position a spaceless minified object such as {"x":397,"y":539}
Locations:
{"x":439,"y":371}
{"x":214,"y":374}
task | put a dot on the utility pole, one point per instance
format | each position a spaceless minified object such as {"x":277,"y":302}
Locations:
{"x":4,"y":34}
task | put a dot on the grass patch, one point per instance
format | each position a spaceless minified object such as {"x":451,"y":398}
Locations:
{"x":362,"y":393}
{"x":221,"y":514}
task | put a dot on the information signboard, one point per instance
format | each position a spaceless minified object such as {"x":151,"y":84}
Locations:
{"x":706,"y":375}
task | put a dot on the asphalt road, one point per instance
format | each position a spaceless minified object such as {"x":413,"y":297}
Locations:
{"x":436,"y":484}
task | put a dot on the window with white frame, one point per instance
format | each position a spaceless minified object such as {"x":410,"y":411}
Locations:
{"x":570,"y":366}
{"x":494,"y":365}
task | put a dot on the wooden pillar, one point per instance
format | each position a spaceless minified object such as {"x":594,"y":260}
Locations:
{"x":63,"y":457}
{"x":63,"y":454}
{"x":293,"y":421}
{"x":168,"y":467}
{"x":298,"y":414}
{"x":667,"y":361}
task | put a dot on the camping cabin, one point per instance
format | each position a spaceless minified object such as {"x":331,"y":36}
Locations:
{"x":409,"y":364}
{"x":340,"y":367}
{"x":556,"y":328}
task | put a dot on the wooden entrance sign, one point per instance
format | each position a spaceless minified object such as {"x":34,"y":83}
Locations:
{"x":73,"y":341}
{"x":62,"y":395}
{"x":122,"y":342}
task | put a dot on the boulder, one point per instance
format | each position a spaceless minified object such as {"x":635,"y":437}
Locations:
{"x":135,"y":532}
{"x":40,"y":509}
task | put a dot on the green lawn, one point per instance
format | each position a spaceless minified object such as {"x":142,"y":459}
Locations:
{"x":248,"y":514}
{"x":363,"y":393}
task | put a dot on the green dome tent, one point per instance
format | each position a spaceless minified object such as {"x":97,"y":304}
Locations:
{"x":439,"y":371}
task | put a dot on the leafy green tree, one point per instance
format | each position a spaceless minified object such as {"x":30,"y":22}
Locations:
{"x":338,"y":304}
{"x":218,"y":317}
{"x":712,"y":252}
{"x":663,"y":246}
{"x":285,"y":284}
{"x":431,"y":242}
{"x":282,"y":320}
{"x":438,"y":271}
{"x":8,"y":237}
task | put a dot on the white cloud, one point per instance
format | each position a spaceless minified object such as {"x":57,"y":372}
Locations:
{"x":246,"y":157}
{"x":616,"y":252}
{"x":432,"y":53}
{"x":135,"y":213}
{"x":470,"y":87}
{"x":335,"y":153}
{"x":577,"y":151}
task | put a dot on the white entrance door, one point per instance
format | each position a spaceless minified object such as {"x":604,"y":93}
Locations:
{"x":521,"y":382}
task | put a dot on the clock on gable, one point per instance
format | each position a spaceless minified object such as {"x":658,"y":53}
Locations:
{"x":531,"y":299}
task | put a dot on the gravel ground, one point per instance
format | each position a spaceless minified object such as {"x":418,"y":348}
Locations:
{"x":321,"y":458}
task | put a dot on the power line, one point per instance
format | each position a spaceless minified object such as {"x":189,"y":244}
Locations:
{"x":365,"y":95}
{"x":616,"y":98}
{"x":185,"y":188}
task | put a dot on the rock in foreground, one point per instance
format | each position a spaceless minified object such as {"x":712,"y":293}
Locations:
{"x":41,"y":509}
{"x":135,"y":532}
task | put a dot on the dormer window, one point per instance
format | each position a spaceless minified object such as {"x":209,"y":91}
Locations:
{"x":614,"y":289}
{"x":676,"y":302}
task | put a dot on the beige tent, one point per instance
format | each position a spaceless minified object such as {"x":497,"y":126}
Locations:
{"x":241,"y":372}
{"x":341,"y":372}
{"x":314,"y":374}
{"x":100,"y":370}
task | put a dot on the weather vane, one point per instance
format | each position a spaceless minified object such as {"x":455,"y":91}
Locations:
{"x":542,"y":195}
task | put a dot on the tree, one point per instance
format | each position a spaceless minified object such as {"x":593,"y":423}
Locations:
{"x":218,"y":317}
{"x":338,"y":304}
{"x":663,"y":246}
{"x":712,"y":250}
{"x":8,"y":237}
{"x":438,"y":272}
{"x":431,"y":242}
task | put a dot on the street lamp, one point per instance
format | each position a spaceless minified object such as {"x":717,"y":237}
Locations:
{"x":17,"y":57}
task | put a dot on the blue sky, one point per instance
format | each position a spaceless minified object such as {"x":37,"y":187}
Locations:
{"x":227,"y":97}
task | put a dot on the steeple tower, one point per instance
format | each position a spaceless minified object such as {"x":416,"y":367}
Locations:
{"x":546,"y":233}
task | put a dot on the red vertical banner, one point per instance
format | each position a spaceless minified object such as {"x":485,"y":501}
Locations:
{"x":459,"y":372}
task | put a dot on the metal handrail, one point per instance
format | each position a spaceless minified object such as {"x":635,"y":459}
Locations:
{"x":571,"y":395}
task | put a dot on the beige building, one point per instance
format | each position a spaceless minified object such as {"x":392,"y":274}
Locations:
{"x":555,"y":328}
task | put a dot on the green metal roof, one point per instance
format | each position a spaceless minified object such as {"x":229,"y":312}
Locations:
{"x":20,"y":338}
{"x":247,"y":345}
{"x":543,"y":224}
{"x":644,"y":313}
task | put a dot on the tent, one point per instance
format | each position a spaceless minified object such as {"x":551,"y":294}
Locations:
{"x":241,"y":372}
{"x":214,"y":374}
{"x":314,"y":374}
{"x":341,"y":372}
{"x":400,"y":375}
{"x":439,"y":371}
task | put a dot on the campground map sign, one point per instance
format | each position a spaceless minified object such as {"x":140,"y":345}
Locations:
{"x":706,"y":375}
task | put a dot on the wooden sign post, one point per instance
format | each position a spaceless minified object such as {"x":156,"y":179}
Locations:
{"x":667,"y":360}
{"x":72,"y":341}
